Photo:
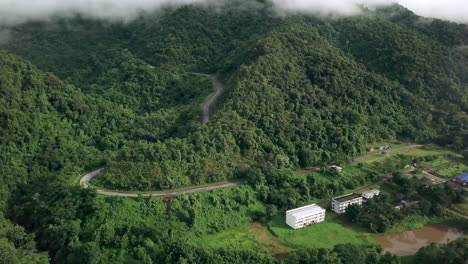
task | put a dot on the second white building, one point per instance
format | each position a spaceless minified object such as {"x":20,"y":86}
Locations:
{"x":304,"y":216}
{"x":339,"y":204}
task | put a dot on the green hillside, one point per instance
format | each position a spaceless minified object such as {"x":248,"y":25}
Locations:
{"x":300,"y":91}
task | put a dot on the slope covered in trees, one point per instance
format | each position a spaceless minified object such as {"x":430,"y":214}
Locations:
{"x":301,"y":90}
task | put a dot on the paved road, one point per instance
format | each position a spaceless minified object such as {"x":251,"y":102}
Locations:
{"x":365,"y":156}
{"x":84,"y":181}
{"x":207,"y":105}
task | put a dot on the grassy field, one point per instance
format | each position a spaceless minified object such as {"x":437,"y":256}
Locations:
{"x":239,"y":237}
{"x":373,"y":159}
{"x":323,"y":235}
{"x":452,"y":171}
{"x":268,"y":240}
{"x":439,"y":161}
{"x":425,"y":151}
{"x":253,"y":236}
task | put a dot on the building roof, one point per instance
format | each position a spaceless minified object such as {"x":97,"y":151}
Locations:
{"x":347,"y":197}
{"x":305,"y":210}
{"x":371,"y":192}
{"x":463,"y":177}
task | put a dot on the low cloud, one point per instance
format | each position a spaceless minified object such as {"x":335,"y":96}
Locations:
{"x":19,"y":11}
{"x":327,"y":7}
{"x":452,"y":10}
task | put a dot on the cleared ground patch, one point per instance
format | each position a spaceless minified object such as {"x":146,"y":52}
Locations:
{"x":239,"y":237}
{"x":268,"y":240}
{"x":322,"y":235}
{"x":371,"y":160}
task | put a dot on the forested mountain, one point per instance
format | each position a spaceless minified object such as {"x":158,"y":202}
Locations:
{"x":301,"y":91}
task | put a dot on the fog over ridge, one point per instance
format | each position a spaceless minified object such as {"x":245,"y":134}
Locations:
{"x":18,"y":11}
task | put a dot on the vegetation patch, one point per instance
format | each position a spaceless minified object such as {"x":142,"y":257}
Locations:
{"x":461,"y":208}
{"x":413,"y":221}
{"x":268,"y":240}
{"x":452,"y":171}
{"x":426,"y":151}
{"x":440,"y":161}
{"x":238,"y":237}
{"x":373,"y":159}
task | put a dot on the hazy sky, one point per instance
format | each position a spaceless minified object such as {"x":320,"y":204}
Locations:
{"x":17,"y":11}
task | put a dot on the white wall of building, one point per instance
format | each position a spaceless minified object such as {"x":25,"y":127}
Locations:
{"x":304,"y":216}
{"x":339,"y":207}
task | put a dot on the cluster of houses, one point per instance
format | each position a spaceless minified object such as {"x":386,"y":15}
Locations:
{"x":312,"y":214}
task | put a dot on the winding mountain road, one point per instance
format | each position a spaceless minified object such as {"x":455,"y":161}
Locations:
{"x":84,"y":181}
{"x":207,"y":105}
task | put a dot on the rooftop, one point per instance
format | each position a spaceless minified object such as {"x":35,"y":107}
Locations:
{"x":371,"y":191}
{"x":463,"y":177}
{"x":347,"y":197}
{"x":306,"y":210}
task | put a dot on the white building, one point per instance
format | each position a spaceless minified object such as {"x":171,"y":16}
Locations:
{"x":339,"y":204}
{"x":384,"y":147}
{"x":304,"y":216}
{"x":337,"y":168}
{"x":370,"y":194}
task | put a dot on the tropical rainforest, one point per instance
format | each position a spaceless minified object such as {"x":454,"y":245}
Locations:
{"x":300,"y":91}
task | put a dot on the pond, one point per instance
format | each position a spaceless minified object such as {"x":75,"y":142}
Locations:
{"x":409,"y":242}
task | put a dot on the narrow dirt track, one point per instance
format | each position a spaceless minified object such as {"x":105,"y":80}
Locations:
{"x":365,"y":156}
{"x":207,"y":105}
{"x":359,"y":158}
{"x":456,"y":213}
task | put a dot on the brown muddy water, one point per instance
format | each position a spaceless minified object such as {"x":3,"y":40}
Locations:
{"x":409,"y":242}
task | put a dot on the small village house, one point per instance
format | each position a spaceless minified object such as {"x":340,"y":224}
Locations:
{"x":370,"y":194}
{"x":384,"y":147}
{"x":305,"y":216}
{"x":336,"y":168}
